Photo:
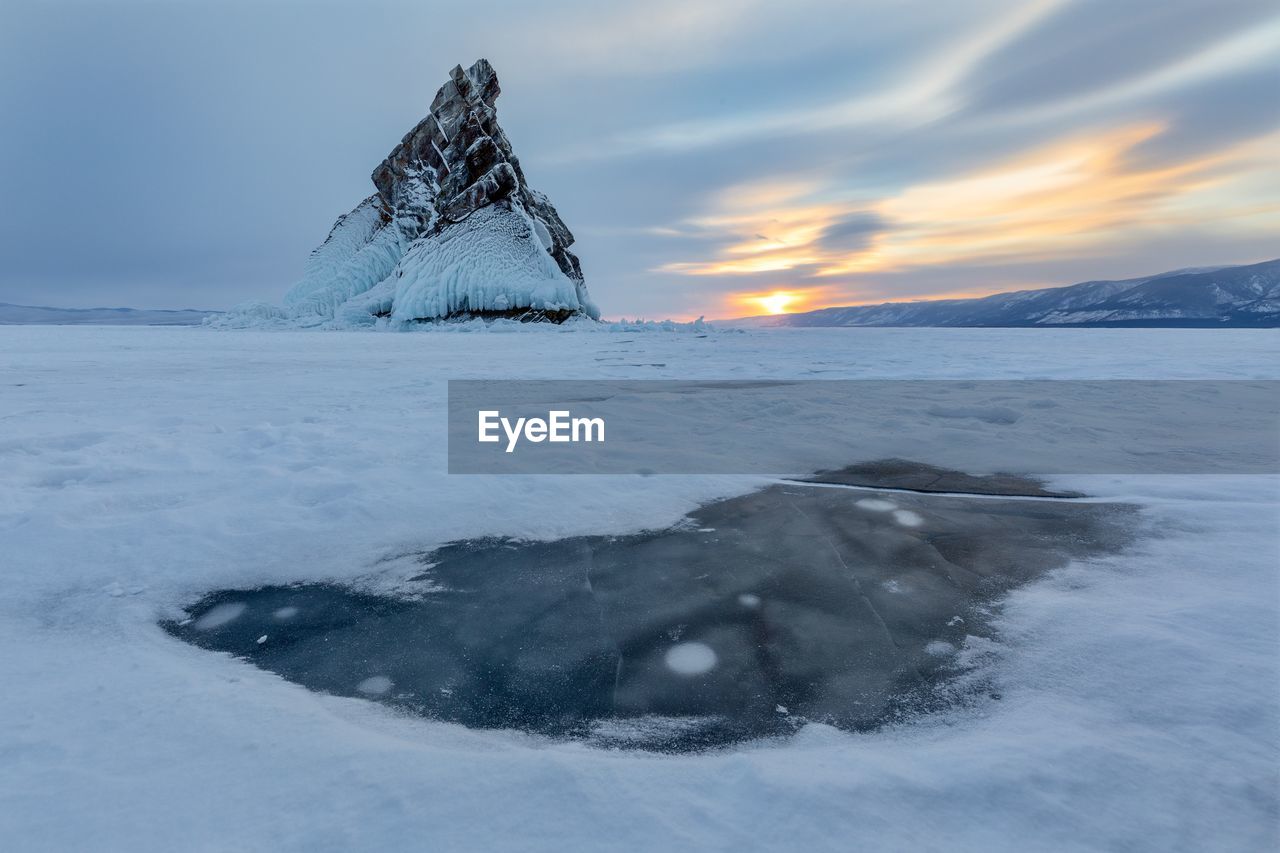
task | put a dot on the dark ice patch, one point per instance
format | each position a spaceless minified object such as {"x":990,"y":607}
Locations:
{"x":757,"y":613}
{"x":916,"y":477}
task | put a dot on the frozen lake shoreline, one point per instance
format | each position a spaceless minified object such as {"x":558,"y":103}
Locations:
{"x":147,"y":466}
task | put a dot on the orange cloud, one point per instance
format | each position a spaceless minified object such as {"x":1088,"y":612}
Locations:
{"x":1050,"y":203}
{"x":776,"y":228}
{"x":1057,"y":200}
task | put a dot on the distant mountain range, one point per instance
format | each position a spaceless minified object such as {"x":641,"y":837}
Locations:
{"x":20,"y":315}
{"x":1216,"y":297}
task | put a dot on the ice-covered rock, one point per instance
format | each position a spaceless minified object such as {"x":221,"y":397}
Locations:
{"x":361,"y":251}
{"x":453,"y":230}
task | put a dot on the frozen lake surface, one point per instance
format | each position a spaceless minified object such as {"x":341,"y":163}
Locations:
{"x":144,"y":468}
{"x":750,"y":617}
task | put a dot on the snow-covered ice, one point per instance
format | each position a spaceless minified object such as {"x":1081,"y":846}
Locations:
{"x":143,"y":467}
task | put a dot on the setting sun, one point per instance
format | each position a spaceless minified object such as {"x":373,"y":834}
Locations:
{"x":777,"y":302}
{"x":789,"y":301}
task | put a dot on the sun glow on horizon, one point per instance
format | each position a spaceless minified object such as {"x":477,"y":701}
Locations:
{"x":776,"y":302}
{"x":800,"y":300}
{"x":782,"y":300}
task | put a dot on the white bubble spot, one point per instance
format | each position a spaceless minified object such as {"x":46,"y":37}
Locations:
{"x":691,"y":659}
{"x":374,"y":685}
{"x":907,"y":518}
{"x":939,"y":649}
{"x":220,"y":615}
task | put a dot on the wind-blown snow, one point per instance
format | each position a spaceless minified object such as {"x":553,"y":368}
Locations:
{"x":144,"y":467}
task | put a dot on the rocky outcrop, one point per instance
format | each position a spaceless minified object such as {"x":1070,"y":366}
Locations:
{"x":454,"y":230}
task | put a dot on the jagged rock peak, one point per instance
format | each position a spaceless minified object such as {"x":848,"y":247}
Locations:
{"x":457,"y":160}
{"x":453,"y":230}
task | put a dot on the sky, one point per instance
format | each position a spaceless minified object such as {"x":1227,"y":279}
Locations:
{"x":712,"y":158}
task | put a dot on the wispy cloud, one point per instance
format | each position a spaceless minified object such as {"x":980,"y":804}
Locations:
{"x":1074,"y":195}
{"x":922,"y":94}
{"x":946,"y":85}
{"x":1251,"y":48}
{"x":821,"y":149}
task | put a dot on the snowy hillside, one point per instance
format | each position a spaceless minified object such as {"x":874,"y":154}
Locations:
{"x":1243,"y":296}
